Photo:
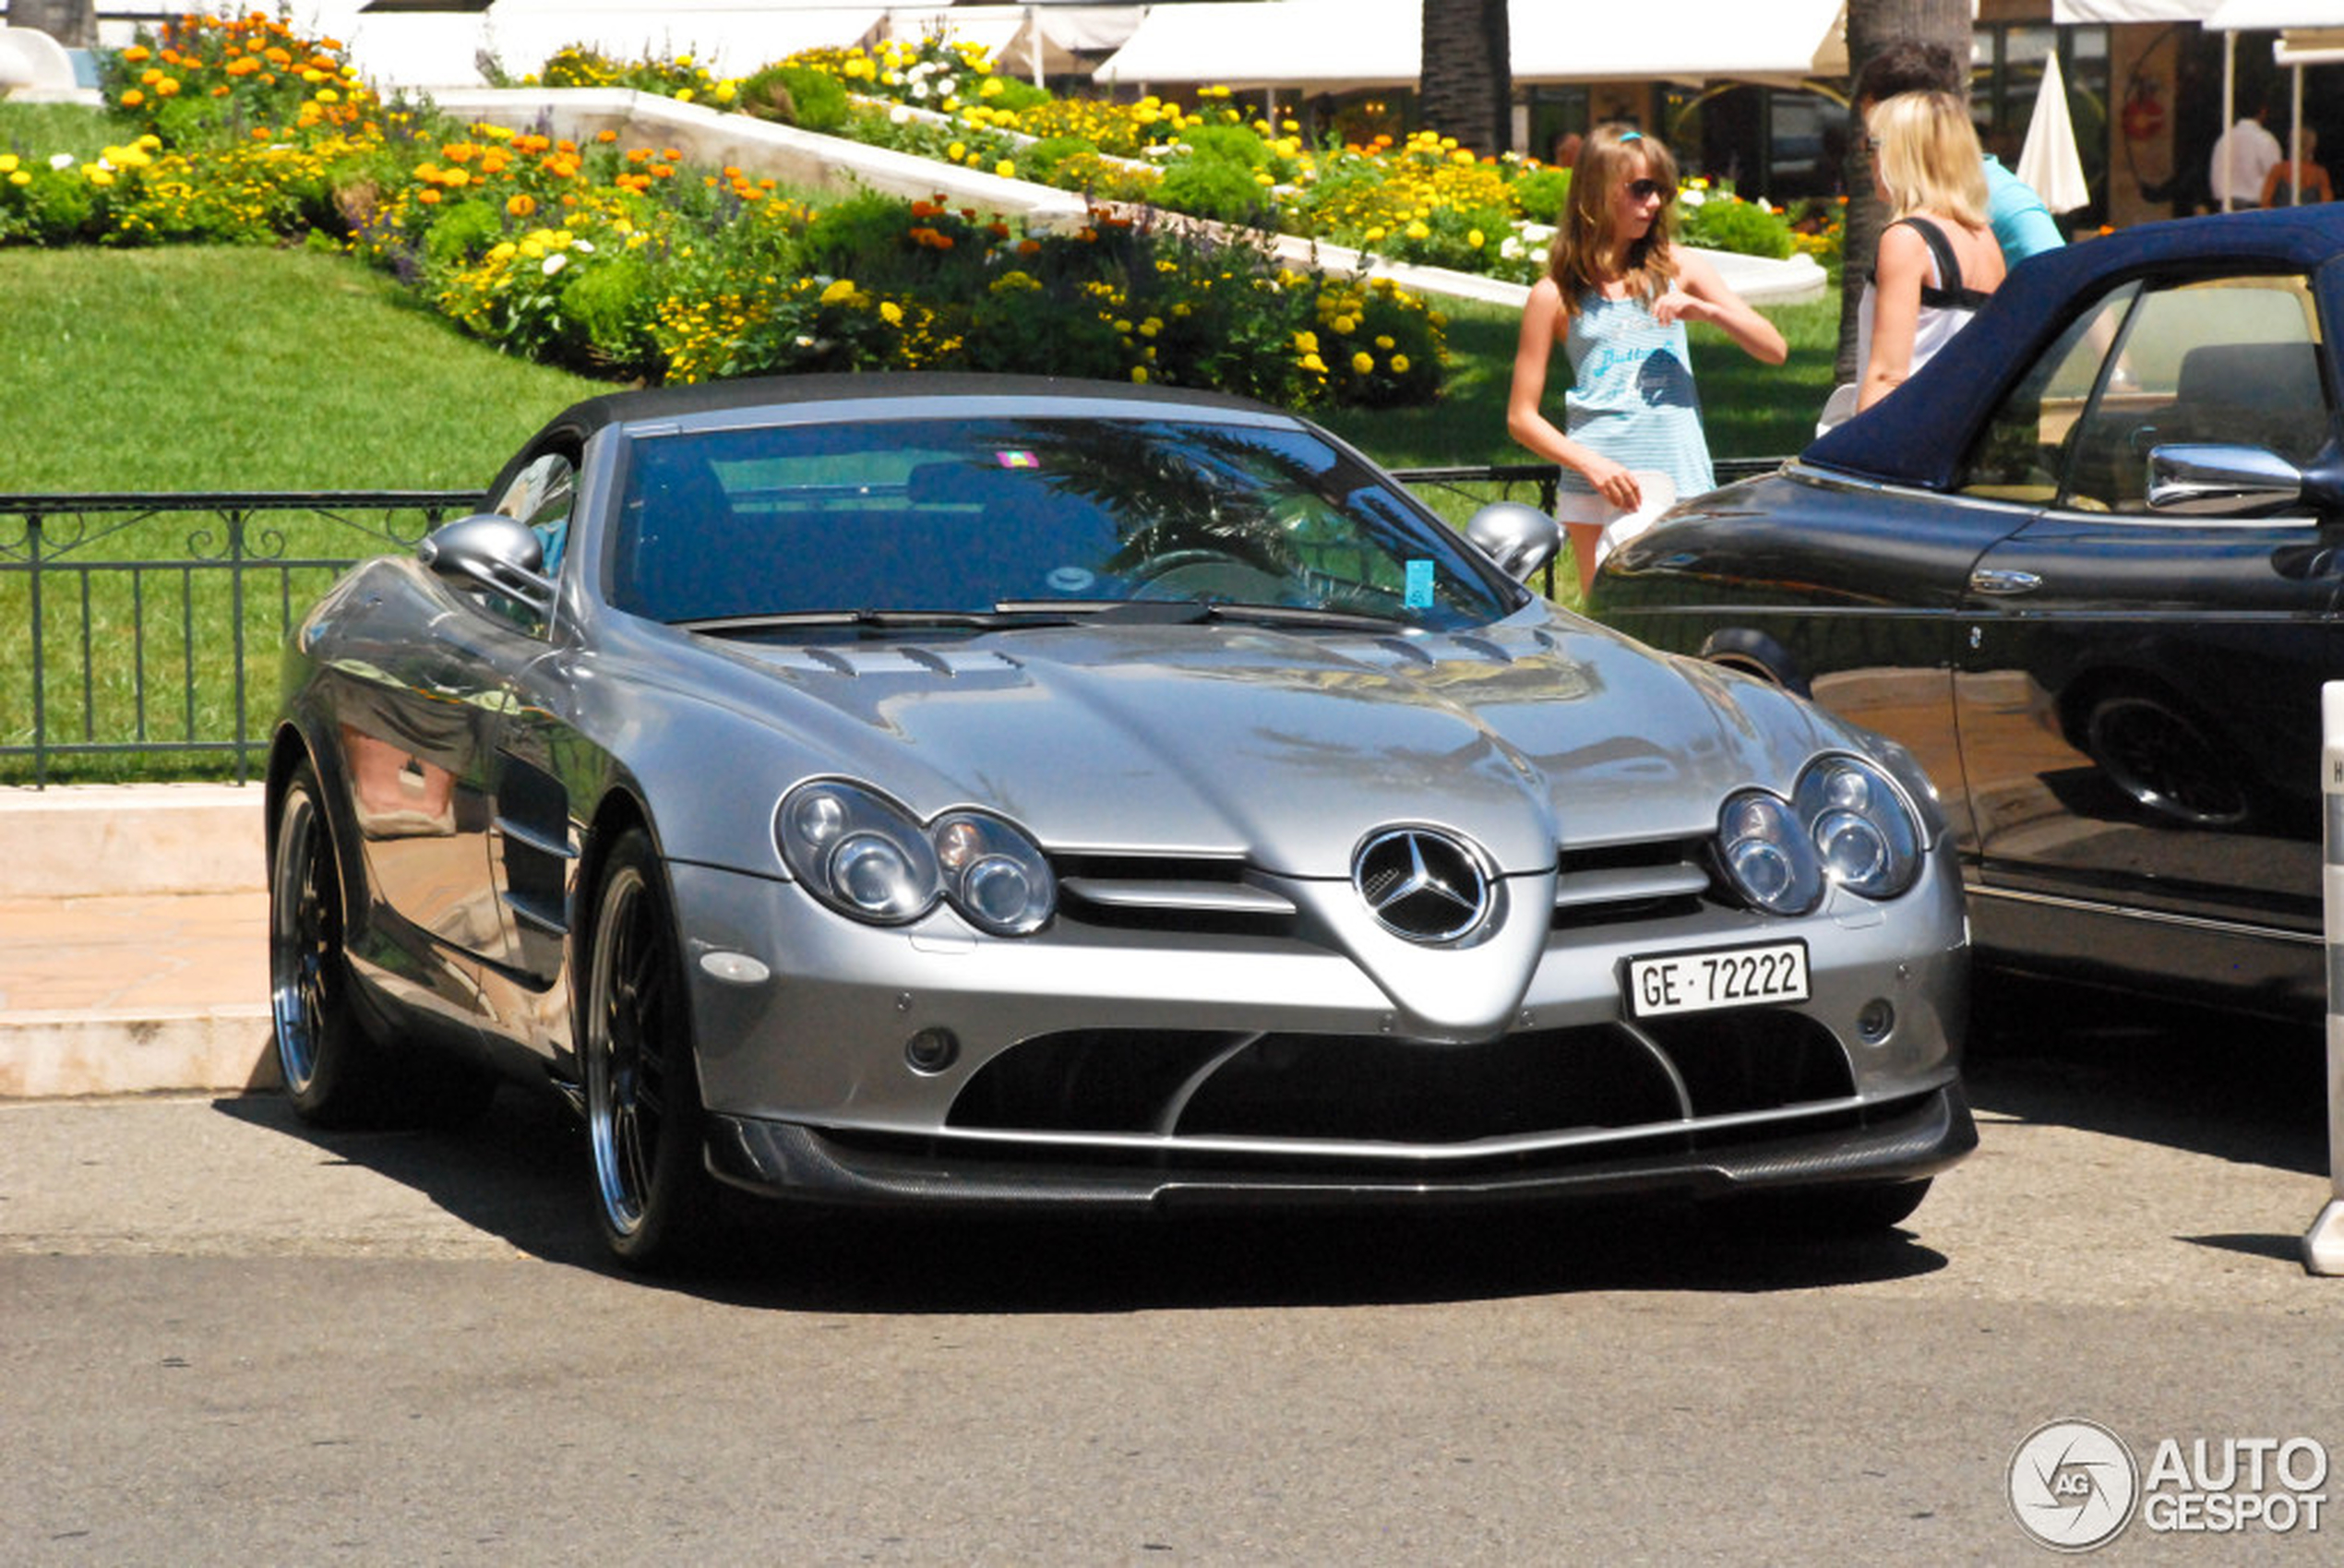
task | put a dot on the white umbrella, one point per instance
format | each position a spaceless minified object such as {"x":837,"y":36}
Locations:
{"x":2049,"y":161}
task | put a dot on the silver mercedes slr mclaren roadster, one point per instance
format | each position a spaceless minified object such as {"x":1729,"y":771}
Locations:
{"x":965,"y":792}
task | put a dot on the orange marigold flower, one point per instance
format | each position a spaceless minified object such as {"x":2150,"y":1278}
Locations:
{"x":607,"y":136}
{"x":133,"y":97}
{"x":428,"y":198}
{"x":522,"y":204}
{"x":167,"y":88}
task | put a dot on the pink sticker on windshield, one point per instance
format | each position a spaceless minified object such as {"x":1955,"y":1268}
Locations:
{"x":1017,"y":459}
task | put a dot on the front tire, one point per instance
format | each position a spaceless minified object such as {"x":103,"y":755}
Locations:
{"x":333,"y":1070}
{"x":337,"y":1071}
{"x":653,"y":1199}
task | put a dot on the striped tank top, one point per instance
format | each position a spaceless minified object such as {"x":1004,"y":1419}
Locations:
{"x":1631,"y":396}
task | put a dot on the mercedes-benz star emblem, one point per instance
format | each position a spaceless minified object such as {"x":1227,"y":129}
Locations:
{"x":1422,"y":885}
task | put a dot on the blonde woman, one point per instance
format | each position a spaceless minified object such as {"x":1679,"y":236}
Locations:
{"x":1617,"y":296}
{"x":1938,"y":258}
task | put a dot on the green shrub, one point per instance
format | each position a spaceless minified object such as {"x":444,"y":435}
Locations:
{"x":1541,"y":193}
{"x":1218,"y":188}
{"x":795,"y":95}
{"x":612,"y":306}
{"x":1721,"y":220}
{"x":464,"y":233}
{"x":1042,"y":157}
{"x":1237,"y":144}
{"x":841,"y":236}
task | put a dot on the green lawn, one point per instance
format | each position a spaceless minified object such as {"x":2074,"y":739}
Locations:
{"x":244,"y":369}
{"x":194,"y":369}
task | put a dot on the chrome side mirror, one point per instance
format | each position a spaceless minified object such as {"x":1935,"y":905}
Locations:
{"x":2202,"y":480}
{"x":1520,"y":538}
{"x":492,"y":551}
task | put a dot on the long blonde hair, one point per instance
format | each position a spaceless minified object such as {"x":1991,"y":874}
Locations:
{"x":1586,"y":246}
{"x":1928,"y":156}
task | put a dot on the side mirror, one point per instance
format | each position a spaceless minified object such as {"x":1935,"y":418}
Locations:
{"x":1520,"y":538}
{"x":2197,"y":480}
{"x":492,"y":551}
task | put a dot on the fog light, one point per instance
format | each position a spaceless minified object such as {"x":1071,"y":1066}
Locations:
{"x":932,"y":1051}
{"x":1877,"y":1020}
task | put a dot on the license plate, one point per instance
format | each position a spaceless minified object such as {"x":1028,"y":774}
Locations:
{"x":1699,"y":982}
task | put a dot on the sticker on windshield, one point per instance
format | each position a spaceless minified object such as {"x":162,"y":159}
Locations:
{"x":1419,"y":595}
{"x":1017,"y":459}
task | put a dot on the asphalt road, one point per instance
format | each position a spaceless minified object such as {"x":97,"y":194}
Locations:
{"x":224,"y":1338}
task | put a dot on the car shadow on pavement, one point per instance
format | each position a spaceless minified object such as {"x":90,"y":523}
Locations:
{"x":521,"y":1174}
{"x":2214,"y":1083}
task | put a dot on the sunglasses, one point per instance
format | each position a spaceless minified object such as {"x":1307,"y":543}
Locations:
{"x":1644,"y":190}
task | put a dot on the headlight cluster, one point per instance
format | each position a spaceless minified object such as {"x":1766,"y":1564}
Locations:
{"x":1845,"y":824}
{"x":867,"y":857}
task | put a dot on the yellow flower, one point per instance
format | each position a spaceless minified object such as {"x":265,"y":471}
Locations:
{"x":1140,"y":374}
{"x":1343,"y":325}
{"x":837,"y":292}
{"x":1399,"y":365}
{"x":957,"y":151}
{"x":1474,"y":239}
{"x":1312,"y":362}
{"x":19,"y":177}
{"x":9,"y":162}
{"x":1307,"y":342}
{"x":1418,"y":230}
{"x":1006,"y":169}
{"x":1384,"y":343}
{"x":1362,"y":363}
{"x":890,"y":313}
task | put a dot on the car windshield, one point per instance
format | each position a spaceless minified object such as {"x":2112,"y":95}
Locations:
{"x":878,"y":523}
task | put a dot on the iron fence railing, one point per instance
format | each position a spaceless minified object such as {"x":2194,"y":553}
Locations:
{"x":138,"y":621}
{"x":137,"y":626}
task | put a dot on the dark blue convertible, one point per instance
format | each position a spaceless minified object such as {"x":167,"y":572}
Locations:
{"x":2087,"y":565}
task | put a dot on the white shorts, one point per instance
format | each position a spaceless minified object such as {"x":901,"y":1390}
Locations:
{"x":1590,"y":510}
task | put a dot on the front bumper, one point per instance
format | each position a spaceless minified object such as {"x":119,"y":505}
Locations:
{"x":1906,"y":1140}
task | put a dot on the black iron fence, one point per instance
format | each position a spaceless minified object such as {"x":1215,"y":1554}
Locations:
{"x":140,"y":634}
{"x":139,"y":623}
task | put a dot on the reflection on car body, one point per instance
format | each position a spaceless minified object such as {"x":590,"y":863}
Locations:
{"x":956,"y":791}
{"x":2086,"y":567}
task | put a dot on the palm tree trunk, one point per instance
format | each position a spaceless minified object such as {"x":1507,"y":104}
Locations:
{"x":1465,"y":87}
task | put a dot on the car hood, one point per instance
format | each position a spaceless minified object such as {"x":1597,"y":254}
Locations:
{"x":1285,"y":748}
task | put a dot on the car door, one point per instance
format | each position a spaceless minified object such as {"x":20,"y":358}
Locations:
{"x":2137,"y":691}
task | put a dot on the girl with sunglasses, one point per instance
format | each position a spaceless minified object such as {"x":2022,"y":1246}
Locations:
{"x":1617,"y":296}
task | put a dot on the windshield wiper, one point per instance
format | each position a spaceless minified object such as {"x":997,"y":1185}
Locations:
{"x":1190,"y":612}
{"x":1004,"y":617}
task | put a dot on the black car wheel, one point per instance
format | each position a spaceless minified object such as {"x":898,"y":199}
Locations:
{"x":2164,"y":761}
{"x":653,"y":1197}
{"x":333,"y":1071}
{"x":337,"y":1071}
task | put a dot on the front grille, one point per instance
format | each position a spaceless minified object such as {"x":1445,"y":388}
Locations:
{"x":1373,"y":1088}
{"x":1614,"y":884}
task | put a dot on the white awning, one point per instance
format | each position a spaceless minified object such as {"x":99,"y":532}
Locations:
{"x":1320,"y":45}
{"x":2260,"y":16}
{"x":1315,"y":45}
{"x":2075,"y":13}
{"x":1684,"y":41}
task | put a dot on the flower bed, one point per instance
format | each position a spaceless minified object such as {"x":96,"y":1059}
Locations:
{"x":628,"y":261}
